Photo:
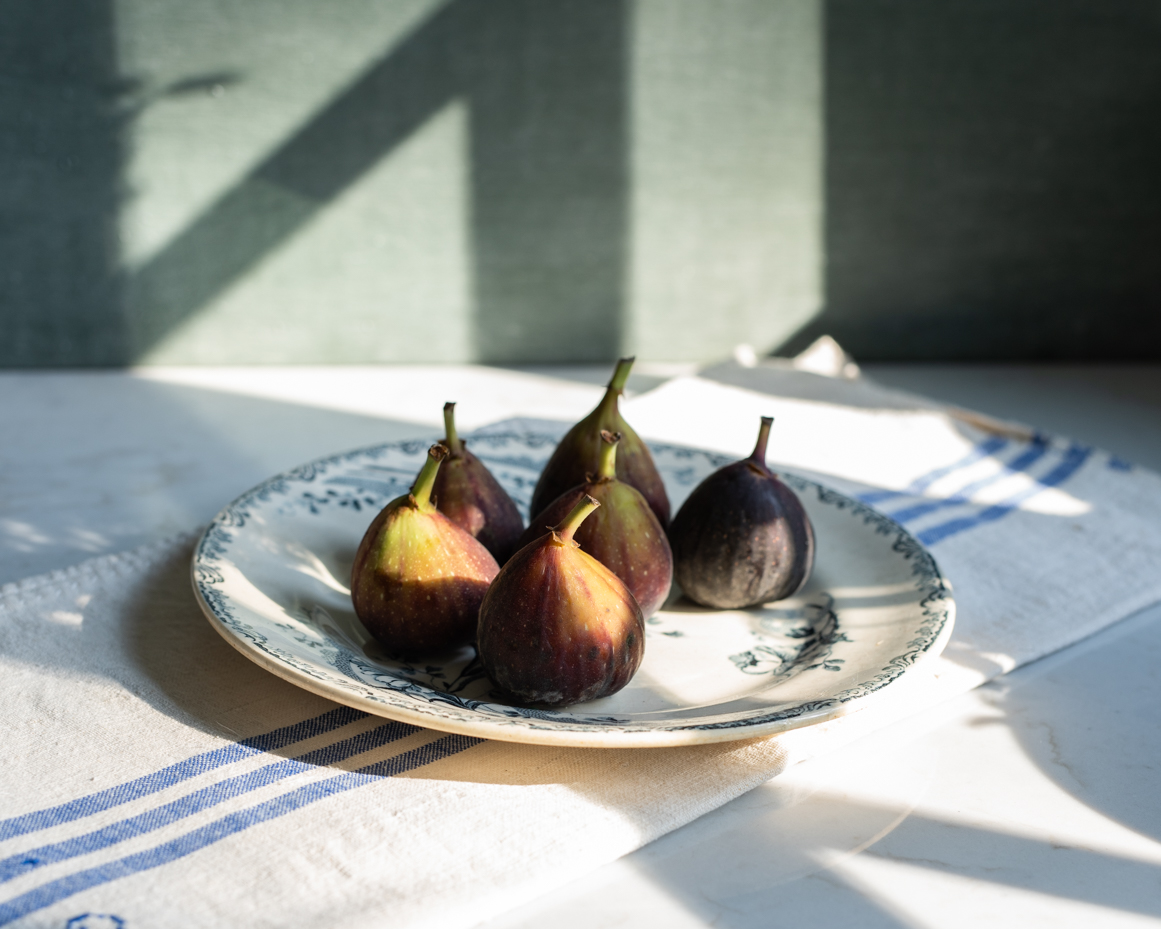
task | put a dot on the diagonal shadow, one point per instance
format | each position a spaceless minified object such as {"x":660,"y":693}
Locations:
{"x":797,"y":879}
{"x":545,"y":87}
{"x":1060,"y":870}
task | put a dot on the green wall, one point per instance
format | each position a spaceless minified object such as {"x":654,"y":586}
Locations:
{"x":993,"y":179}
{"x":522,"y":181}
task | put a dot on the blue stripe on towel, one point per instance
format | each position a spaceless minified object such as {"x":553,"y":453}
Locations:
{"x":1035,"y":451}
{"x":1073,"y":459}
{"x":175,"y":773}
{"x":16,"y":865}
{"x":65,"y":887}
{"x":982,"y":450}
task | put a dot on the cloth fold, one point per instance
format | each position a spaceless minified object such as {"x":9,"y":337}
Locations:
{"x":155,"y":775}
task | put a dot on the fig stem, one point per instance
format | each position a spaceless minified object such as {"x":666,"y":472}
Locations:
{"x":608,"y":405}
{"x":421,"y":489}
{"x":621,"y":374}
{"x":759,"y":454}
{"x":569,"y":525}
{"x":607,"y":467}
{"x":449,"y":424}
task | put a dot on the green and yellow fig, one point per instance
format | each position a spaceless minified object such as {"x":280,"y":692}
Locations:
{"x":418,"y":578}
{"x":580,"y":450}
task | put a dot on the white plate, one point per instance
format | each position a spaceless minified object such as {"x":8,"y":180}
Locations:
{"x":271,"y":573}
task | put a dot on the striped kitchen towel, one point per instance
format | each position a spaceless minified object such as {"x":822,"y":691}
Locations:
{"x":155,"y":777}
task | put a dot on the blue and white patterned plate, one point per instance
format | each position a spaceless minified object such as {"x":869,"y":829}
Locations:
{"x":271,"y":573}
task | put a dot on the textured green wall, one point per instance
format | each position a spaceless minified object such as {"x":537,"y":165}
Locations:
{"x":727,"y":169}
{"x":564,"y":180}
{"x":993,"y":179}
{"x":506,"y":181}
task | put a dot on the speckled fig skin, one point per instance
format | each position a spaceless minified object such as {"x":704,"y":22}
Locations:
{"x":580,"y":449}
{"x":557,"y":627}
{"x":466,"y":493}
{"x":418,"y":579}
{"x":742,"y":537}
{"x":624,"y":534}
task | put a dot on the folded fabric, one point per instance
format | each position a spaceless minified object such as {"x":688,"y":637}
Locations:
{"x":156,"y":777}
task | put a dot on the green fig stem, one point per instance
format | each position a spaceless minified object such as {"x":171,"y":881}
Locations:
{"x":608,"y":404}
{"x":453,"y":443}
{"x":607,"y":467}
{"x":421,"y":489}
{"x":572,"y":521}
{"x":621,"y":374}
{"x":759,"y":454}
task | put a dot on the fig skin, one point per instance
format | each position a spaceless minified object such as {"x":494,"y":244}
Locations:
{"x":580,"y":450}
{"x":466,"y":493}
{"x":418,"y":579}
{"x":624,"y":534}
{"x":557,"y":627}
{"x":742,"y":537}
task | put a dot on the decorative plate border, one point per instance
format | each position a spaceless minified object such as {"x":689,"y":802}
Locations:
{"x":367,"y":686}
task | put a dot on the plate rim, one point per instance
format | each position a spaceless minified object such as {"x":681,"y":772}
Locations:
{"x":938,"y":607}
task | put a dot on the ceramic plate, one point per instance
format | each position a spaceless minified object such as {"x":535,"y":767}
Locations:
{"x":272,"y":570}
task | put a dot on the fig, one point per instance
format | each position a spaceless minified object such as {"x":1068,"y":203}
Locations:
{"x":742,"y":537}
{"x":624,"y":534}
{"x":557,"y":627}
{"x":466,"y":493}
{"x":418,"y":578}
{"x":580,"y":450}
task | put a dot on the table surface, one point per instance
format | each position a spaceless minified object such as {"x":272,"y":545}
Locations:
{"x":1031,"y":801}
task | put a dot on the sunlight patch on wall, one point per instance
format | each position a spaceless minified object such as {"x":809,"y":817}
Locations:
{"x":727,"y":175}
{"x":218,"y":86}
{"x":394,"y":250}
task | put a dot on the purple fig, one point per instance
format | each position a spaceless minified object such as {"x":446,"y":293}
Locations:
{"x":742,"y":537}
{"x":624,"y":534}
{"x":467,"y":494}
{"x":558,"y":627}
{"x":580,"y":450}
{"x":418,"y":578}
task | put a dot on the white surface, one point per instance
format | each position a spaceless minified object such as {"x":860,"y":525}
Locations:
{"x":98,"y":462}
{"x":1029,"y":802}
{"x":102,"y":461}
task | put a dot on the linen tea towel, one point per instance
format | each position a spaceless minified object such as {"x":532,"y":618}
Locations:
{"x":156,"y":776}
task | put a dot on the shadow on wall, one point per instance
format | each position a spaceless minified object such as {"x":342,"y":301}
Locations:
{"x":992,"y":182}
{"x":61,"y":153}
{"x":545,"y":87}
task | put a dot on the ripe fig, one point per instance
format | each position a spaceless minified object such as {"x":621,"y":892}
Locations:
{"x":467,"y":494}
{"x":580,"y":450}
{"x":624,"y":534}
{"x":557,"y":627}
{"x":418,"y":578}
{"x":742,"y":537}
